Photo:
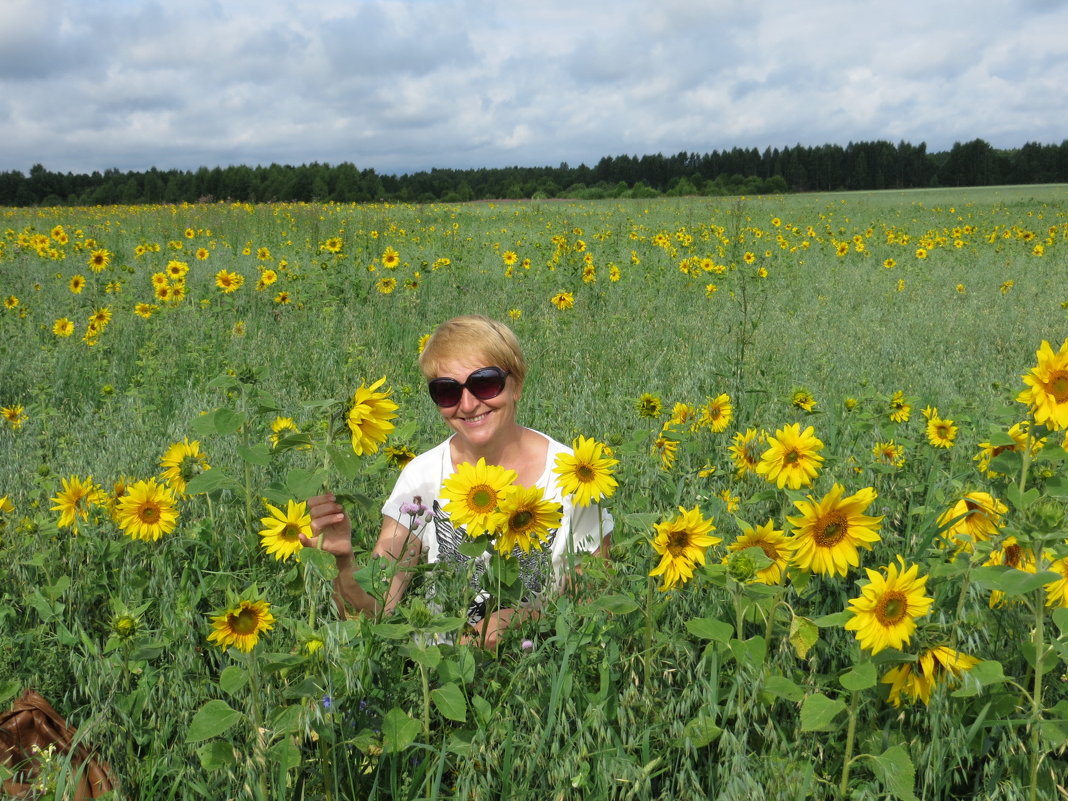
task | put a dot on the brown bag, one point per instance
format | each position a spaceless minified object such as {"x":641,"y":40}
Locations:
{"x":32,"y":721}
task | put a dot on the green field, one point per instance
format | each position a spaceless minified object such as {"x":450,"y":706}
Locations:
{"x":721,"y":688}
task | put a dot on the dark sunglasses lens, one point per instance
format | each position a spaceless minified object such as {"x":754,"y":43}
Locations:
{"x":445,"y":392}
{"x":486,"y":384}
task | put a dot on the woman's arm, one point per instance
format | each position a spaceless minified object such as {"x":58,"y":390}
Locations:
{"x":332,"y":532}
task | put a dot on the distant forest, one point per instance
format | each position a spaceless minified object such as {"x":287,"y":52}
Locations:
{"x":857,"y":166}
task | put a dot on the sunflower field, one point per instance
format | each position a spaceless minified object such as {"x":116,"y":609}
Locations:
{"x":832,"y":431}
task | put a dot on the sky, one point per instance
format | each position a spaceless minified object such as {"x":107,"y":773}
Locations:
{"x":400,"y":86}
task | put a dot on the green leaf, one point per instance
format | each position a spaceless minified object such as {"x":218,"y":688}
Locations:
{"x":749,"y":652}
{"x":305,"y":483}
{"x":782,"y":687}
{"x":987,"y":672}
{"x":228,"y":421}
{"x":460,"y":668}
{"x":1008,"y":463}
{"x":284,"y":755}
{"x":392,"y":631}
{"x":616,"y":604}
{"x":833,"y":620}
{"x":428,"y":656}
{"x":399,"y":731}
{"x":9,"y":688}
{"x":233,"y":679}
{"x":1020,"y":502}
{"x":287,"y":720}
{"x":818,"y":713}
{"x":803,"y":635}
{"x":1057,"y":486}
{"x":1011,"y":581}
{"x":323,"y":563}
{"x":861,"y":677}
{"x":450,"y":702}
{"x":709,"y":628}
{"x":1060,"y":617}
{"x":216,"y":755}
{"x":211,"y":481}
{"x":701,"y":731}
{"x":483,"y":710}
{"x":893,"y":767}
{"x":346,"y":462}
{"x":211,"y":720}
{"x":258,"y":454}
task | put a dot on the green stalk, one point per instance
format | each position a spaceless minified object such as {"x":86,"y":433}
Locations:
{"x":259,"y":749}
{"x":851,"y":733}
{"x":1036,"y":694}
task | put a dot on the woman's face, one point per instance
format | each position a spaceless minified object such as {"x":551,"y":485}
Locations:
{"x":479,"y":423}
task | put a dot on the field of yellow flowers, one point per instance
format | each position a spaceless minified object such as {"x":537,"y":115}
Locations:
{"x":832,"y":431}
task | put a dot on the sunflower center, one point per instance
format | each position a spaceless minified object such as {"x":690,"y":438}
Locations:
{"x":149,"y":513}
{"x":830,"y":529}
{"x":892,"y":608}
{"x":1057,"y":386}
{"x":584,"y":473}
{"x":678,"y":541}
{"x":244,"y":622}
{"x":792,"y":456}
{"x":1013,"y":555}
{"x":521,"y":520}
{"x":290,"y":533}
{"x":482,"y":498}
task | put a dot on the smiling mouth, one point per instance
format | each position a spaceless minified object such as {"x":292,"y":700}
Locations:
{"x":476,"y":418}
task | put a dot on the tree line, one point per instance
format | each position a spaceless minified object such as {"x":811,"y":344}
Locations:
{"x":857,"y":166}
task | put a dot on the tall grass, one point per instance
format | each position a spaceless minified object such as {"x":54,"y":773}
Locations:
{"x":626,"y":692}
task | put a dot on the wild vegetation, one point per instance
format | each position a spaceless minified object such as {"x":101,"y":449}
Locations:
{"x":839,"y":422}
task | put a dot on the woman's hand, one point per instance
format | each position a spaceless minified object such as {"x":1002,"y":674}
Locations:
{"x":331,"y":529}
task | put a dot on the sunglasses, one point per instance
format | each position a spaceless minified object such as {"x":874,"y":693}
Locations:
{"x":485,"y":383}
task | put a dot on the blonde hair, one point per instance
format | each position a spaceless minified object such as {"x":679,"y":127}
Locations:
{"x":470,"y":337}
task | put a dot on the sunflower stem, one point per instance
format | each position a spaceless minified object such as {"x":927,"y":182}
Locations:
{"x":649,"y":589}
{"x":851,"y":733}
{"x":1036,"y":693}
{"x":259,"y":750}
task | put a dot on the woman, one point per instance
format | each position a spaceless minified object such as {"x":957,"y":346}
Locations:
{"x":475,"y":372}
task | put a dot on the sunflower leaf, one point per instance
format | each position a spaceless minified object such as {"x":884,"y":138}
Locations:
{"x":709,"y":628}
{"x":894,"y":768}
{"x":215,"y":755}
{"x":450,"y":702}
{"x":399,"y":731}
{"x":305,"y":483}
{"x":232,"y":680}
{"x":861,"y":677}
{"x":258,"y":454}
{"x":803,"y":635}
{"x":1011,"y":581}
{"x":211,"y":720}
{"x":818,"y":713}
{"x":210,"y":481}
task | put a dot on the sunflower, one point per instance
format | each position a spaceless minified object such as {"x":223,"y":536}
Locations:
{"x":281,"y":534}
{"x":941,"y":433}
{"x":175,"y":269}
{"x":473,"y":493}
{"x":1021,"y":441}
{"x":145,"y":310}
{"x":263,"y":254}
{"x":563,"y":300}
{"x":333,"y":245}
{"x":524,"y":519}
{"x":369,"y":417}
{"x":774,"y":543}
{"x":1057,"y":591}
{"x":282,"y":298}
{"x":682,"y":413}
{"x":746,"y":449}
{"x":63,"y":327}
{"x":916,"y":680}
{"x":974,"y":518}
{"x":281,"y":427}
{"x":75,"y":500}
{"x":1013,"y":555}
{"x":884,"y":615}
{"x":803,"y":400}
{"x":182,"y":462}
{"x":77,"y":284}
{"x":587,"y":472}
{"x":242,"y":625}
{"x":792,"y":457}
{"x":889,"y":453}
{"x":146,"y":511}
{"x":399,"y":455}
{"x":386,"y":285}
{"x":228,"y":281}
{"x":900,"y":409}
{"x":390,"y":258}
{"x":666,"y":446}
{"x":717,"y":413}
{"x":681,"y":544}
{"x":829,"y":531}
{"x":99,"y":259}
{"x":648,"y":405}
{"x":202,"y":254}
{"x":1047,"y":393}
